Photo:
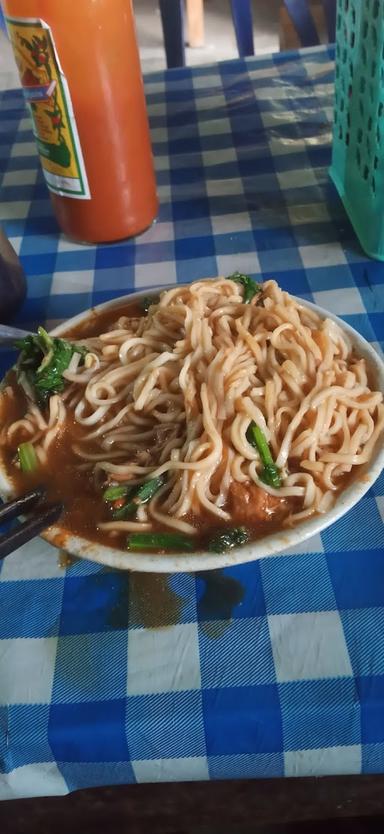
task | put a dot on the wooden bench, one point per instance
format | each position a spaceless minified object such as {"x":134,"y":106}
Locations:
{"x":229,"y":807}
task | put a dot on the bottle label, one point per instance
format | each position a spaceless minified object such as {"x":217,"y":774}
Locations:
{"x":47,"y":95}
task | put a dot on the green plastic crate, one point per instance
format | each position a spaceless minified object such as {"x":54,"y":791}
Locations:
{"x":357,"y":167}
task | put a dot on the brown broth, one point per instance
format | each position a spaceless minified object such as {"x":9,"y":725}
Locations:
{"x":83,"y":505}
{"x":99,"y":322}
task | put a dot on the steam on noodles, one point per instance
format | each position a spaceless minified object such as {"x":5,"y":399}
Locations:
{"x":171,"y":396}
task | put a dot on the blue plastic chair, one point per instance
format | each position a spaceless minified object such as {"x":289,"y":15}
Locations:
{"x":243,"y":23}
{"x":2,"y":20}
{"x":302,"y":20}
{"x":172,"y":19}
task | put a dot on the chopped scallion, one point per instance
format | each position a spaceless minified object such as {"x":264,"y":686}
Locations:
{"x":147,"y":490}
{"x":159,"y":541}
{"x":125,"y":511}
{"x":136,"y":496}
{"x":27,"y":457}
{"x":112,"y":493}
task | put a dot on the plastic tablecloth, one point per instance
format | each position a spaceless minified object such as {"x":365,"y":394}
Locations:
{"x":274,"y":668}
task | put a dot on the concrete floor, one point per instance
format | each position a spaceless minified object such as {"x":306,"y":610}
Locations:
{"x":8,"y":74}
{"x":220,"y":42}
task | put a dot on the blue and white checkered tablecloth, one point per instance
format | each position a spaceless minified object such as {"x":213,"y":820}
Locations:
{"x":268,"y":669}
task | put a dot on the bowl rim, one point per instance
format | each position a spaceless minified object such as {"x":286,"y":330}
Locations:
{"x":272,"y":544}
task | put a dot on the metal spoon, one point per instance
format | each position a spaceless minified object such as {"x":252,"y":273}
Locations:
{"x":8,"y":335}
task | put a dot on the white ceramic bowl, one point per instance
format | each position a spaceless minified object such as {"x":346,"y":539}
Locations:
{"x":270,"y":545}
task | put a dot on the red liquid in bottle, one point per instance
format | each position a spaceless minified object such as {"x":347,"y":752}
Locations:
{"x":92,"y":125}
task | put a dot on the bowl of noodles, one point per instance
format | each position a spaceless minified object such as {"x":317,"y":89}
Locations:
{"x":202,"y":426}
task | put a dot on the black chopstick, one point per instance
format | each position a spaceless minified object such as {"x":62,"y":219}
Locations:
{"x":21,"y":505}
{"x":30,"y":528}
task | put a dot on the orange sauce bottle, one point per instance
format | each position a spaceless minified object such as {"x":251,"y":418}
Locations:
{"x":80,"y":70}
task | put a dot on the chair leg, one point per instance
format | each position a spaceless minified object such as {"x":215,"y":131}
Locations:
{"x":330,"y":16}
{"x":243,"y":23}
{"x":172,"y":20}
{"x":302,"y":20}
{"x":2,"y":21}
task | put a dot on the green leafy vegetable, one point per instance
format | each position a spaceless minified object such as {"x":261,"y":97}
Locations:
{"x":147,"y":302}
{"x":159,"y":541}
{"x":27,"y":457}
{"x":250,"y":286}
{"x":42,"y":361}
{"x":270,"y":473}
{"x":228,"y":539}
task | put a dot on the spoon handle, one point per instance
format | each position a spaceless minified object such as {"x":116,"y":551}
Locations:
{"x":9,"y":334}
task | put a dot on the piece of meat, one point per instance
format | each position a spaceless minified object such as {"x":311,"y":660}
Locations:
{"x":248,"y":504}
{"x":143,"y":457}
